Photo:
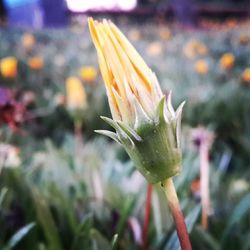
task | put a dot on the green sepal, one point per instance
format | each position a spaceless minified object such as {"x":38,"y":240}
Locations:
{"x":160,"y":117}
{"x":129,"y":131}
{"x":178,"y":123}
{"x":153,"y":145}
{"x":141,"y":118}
{"x":122,"y":136}
{"x":157,"y":155}
{"x":108,"y":133}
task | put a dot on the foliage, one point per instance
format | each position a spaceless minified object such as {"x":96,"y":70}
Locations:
{"x":66,"y":196}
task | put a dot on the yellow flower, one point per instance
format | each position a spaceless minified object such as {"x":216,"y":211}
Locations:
{"x":246,"y":75}
{"x":28,"y":41}
{"x":145,"y":123}
{"x":35,"y":63}
{"x":8,"y":67}
{"x":88,"y":73}
{"x":76,"y":96}
{"x":227,"y":61}
{"x":201,"y":67}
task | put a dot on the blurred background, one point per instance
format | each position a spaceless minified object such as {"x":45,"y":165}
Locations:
{"x":64,"y":187}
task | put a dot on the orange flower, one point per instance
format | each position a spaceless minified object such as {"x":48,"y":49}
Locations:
{"x":227,"y":61}
{"x":8,"y":67}
{"x":76,"y":96}
{"x":88,"y":73}
{"x":246,"y":75}
{"x":194,"y":48}
{"x":28,"y":40}
{"x":164,"y":33}
{"x":244,"y":39}
{"x":201,"y":67}
{"x":154,"y":49}
{"x":134,"y":35}
{"x":35,"y":63}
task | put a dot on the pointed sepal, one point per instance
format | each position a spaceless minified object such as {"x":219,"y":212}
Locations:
{"x":129,"y":131}
{"x":141,"y":118}
{"x":123,"y":137}
{"x":109,"y":134}
{"x":178,"y":115}
{"x":160,"y":116}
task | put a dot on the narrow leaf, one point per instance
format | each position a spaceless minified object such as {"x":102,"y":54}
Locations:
{"x":18,"y":236}
{"x":47,"y":222}
{"x":114,"y":242}
{"x":81,"y":239}
{"x":2,"y":195}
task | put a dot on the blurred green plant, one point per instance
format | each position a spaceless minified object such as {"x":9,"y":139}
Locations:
{"x":90,"y":197}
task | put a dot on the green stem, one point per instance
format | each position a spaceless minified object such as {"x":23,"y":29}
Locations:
{"x":78,"y":136}
{"x":173,"y":202}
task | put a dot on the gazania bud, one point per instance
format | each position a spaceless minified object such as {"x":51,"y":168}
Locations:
{"x":145,"y":122}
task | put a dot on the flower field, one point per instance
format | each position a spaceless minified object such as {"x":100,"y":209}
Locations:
{"x":63,"y":186}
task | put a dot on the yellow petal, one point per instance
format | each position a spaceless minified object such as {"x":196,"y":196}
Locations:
{"x":140,"y":66}
{"x":113,"y":62}
{"x":105,"y":71}
{"x":127,"y":67}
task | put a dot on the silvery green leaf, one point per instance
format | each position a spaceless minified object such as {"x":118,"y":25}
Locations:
{"x":18,"y":236}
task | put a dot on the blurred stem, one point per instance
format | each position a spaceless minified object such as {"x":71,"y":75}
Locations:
{"x":147,"y":217}
{"x":204,"y":175}
{"x":78,"y":135}
{"x":173,"y":202}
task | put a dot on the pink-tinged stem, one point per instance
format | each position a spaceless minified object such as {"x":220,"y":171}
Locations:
{"x":177,"y":214}
{"x":147,"y":217}
{"x":204,"y":175}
